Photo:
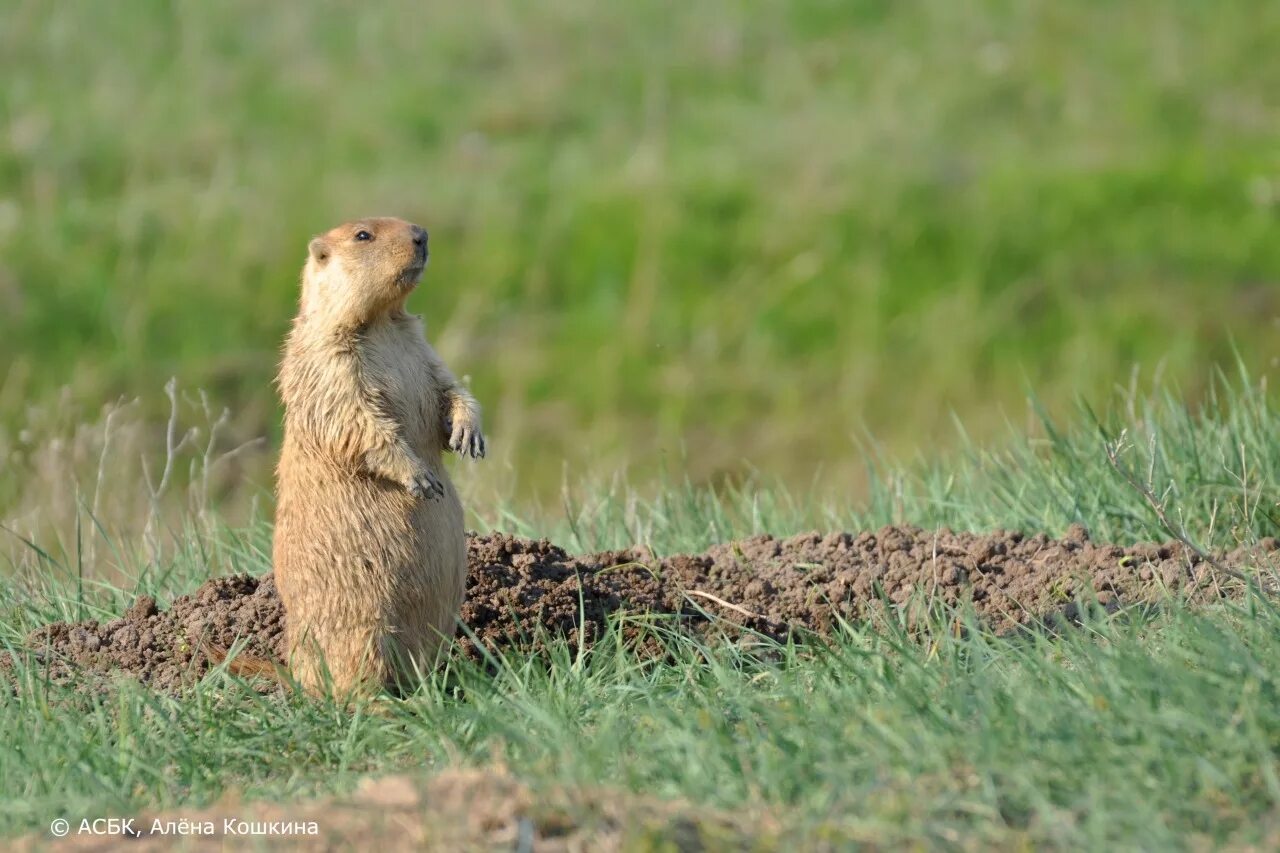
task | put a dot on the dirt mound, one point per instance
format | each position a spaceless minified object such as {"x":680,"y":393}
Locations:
{"x":458,"y":809}
{"x":163,"y":648}
{"x":524,"y":594}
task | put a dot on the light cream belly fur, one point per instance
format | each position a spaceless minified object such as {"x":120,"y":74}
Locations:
{"x":371,"y":578}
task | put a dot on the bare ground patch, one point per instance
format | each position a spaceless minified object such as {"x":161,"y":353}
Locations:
{"x":458,"y":809}
{"x":523,"y":594}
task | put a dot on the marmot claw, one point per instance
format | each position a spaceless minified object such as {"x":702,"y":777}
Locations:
{"x":466,"y":440}
{"x":425,"y":485}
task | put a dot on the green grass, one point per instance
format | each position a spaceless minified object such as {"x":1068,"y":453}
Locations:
{"x":727,"y":240}
{"x":1158,"y":731}
{"x":744,"y":229}
{"x":1136,"y":737}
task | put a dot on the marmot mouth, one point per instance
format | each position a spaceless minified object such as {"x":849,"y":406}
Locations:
{"x":410,"y":275}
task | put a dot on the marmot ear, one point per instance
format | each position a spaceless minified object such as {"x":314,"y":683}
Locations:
{"x":319,"y":250}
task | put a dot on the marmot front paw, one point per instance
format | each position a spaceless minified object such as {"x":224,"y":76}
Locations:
{"x":465,"y":437}
{"x":424,"y":485}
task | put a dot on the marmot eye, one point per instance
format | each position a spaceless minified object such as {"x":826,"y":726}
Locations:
{"x":363,"y":235}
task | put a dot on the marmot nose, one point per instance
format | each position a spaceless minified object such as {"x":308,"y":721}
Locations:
{"x":419,"y":236}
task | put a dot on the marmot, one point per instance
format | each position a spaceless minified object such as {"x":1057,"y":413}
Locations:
{"x":369,"y":551}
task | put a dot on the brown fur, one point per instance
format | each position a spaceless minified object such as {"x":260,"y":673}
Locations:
{"x":369,"y":551}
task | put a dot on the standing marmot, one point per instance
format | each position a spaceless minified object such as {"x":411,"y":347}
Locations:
{"x":369,"y":551}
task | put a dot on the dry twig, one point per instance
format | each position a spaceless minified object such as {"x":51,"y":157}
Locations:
{"x":718,"y":600}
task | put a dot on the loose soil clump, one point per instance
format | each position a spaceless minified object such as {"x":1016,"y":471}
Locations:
{"x":525,"y":596}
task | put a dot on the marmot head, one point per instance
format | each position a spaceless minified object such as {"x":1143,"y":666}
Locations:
{"x":363,"y":269}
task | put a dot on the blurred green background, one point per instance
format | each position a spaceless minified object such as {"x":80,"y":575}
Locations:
{"x":717,"y":235}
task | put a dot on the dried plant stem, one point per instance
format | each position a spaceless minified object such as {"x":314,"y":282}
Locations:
{"x":718,"y":600}
{"x":1114,"y":449}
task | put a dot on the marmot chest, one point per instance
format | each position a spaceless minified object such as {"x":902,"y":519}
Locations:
{"x":396,"y":362}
